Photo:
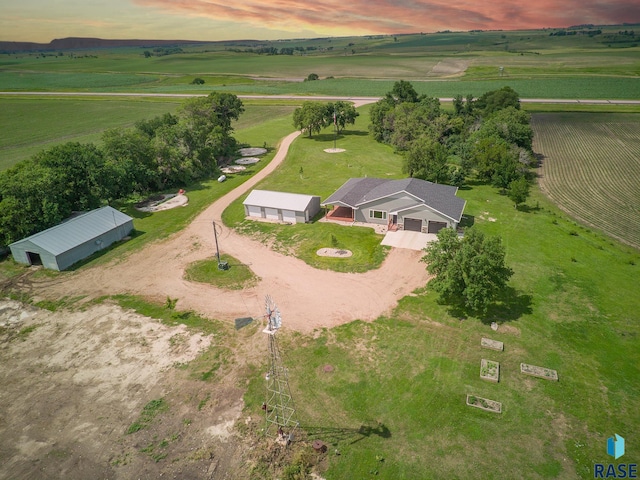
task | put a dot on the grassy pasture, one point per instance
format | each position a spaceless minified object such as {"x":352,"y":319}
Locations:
{"x":398,"y":384}
{"x":528,"y":86}
{"x":34,"y":124}
{"x":590,"y":169}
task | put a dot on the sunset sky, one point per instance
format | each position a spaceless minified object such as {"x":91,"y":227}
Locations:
{"x":44,"y":20}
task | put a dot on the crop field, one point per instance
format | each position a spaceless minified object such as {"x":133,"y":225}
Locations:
{"x":532,"y":62}
{"x":591,"y":169}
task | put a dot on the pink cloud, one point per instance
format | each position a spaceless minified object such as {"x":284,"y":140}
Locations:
{"x":404,"y":16}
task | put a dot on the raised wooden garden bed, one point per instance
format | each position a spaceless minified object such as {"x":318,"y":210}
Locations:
{"x":541,"y":372}
{"x":484,"y":404}
{"x":490,"y":370}
{"x":492,"y":344}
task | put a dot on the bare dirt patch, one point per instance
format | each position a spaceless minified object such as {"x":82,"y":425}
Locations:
{"x":449,"y":68}
{"x":75,"y":381}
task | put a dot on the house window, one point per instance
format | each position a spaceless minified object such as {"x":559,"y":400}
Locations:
{"x":378,"y":214}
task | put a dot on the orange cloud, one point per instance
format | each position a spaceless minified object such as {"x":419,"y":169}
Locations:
{"x":403,"y":16}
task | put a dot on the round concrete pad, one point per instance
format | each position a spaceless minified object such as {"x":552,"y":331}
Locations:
{"x":252,"y":151}
{"x":247,"y":161}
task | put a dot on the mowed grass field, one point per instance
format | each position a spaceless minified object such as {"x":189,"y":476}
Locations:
{"x":34,"y":124}
{"x":591,"y":169}
{"x":393,"y":405}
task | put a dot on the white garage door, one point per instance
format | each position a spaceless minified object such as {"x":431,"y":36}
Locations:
{"x":272,"y":213}
{"x":254,"y":211}
{"x":289,"y":216}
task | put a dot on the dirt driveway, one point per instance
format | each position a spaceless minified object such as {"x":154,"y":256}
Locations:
{"x":308,"y":298}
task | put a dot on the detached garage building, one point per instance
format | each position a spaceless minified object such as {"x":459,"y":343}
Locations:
{"x":285,"y":207}
{"x":59,"y":247}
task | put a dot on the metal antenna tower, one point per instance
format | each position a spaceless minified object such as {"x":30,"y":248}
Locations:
{"x":279,"y":408}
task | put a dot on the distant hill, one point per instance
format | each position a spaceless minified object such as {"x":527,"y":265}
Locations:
{"x":73,"y":43}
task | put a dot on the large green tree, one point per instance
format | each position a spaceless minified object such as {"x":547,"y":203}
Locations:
{"x":427,"y":159}
{"x":518,"y":191}
{"x":130,"y":162}
{"x":470,"y":272}
{"x":512,"y":125}
{"x":206,"y":128}
{"x":311,"y":117}
{"x":342,"y":114}
{"x":43,"y":190}
{"x":495,"y":100}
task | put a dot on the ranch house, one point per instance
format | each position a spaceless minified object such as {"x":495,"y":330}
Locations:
{"x":409,"y":204}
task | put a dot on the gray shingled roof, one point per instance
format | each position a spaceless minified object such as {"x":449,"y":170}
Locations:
{"x":78,"y":230}
{"x":359,"y":191}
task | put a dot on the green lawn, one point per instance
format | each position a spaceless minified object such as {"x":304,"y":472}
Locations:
{"x":309,"y":169}
{"x":235,"y":277}
{"x":398,"y":386}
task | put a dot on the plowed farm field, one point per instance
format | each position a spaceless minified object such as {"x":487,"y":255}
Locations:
{"x":591,"y":168}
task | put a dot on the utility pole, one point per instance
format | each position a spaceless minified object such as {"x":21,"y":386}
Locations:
{"x":221,"y":265}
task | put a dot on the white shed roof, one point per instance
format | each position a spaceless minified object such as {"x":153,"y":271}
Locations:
{"x":285,"y":201}
{"x":78,"y":230}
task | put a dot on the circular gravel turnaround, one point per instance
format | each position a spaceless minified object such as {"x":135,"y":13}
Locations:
{"x":252,"y":151}
{"x":247,"y":161}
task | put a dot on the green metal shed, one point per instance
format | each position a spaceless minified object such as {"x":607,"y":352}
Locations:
{"x":59,"y":247}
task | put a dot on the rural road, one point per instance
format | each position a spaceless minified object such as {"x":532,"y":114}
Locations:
{"x":357,"y":100}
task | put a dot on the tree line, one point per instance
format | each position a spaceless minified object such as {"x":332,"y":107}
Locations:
{"x":489,"y":137}
{"x":163,"y":152}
